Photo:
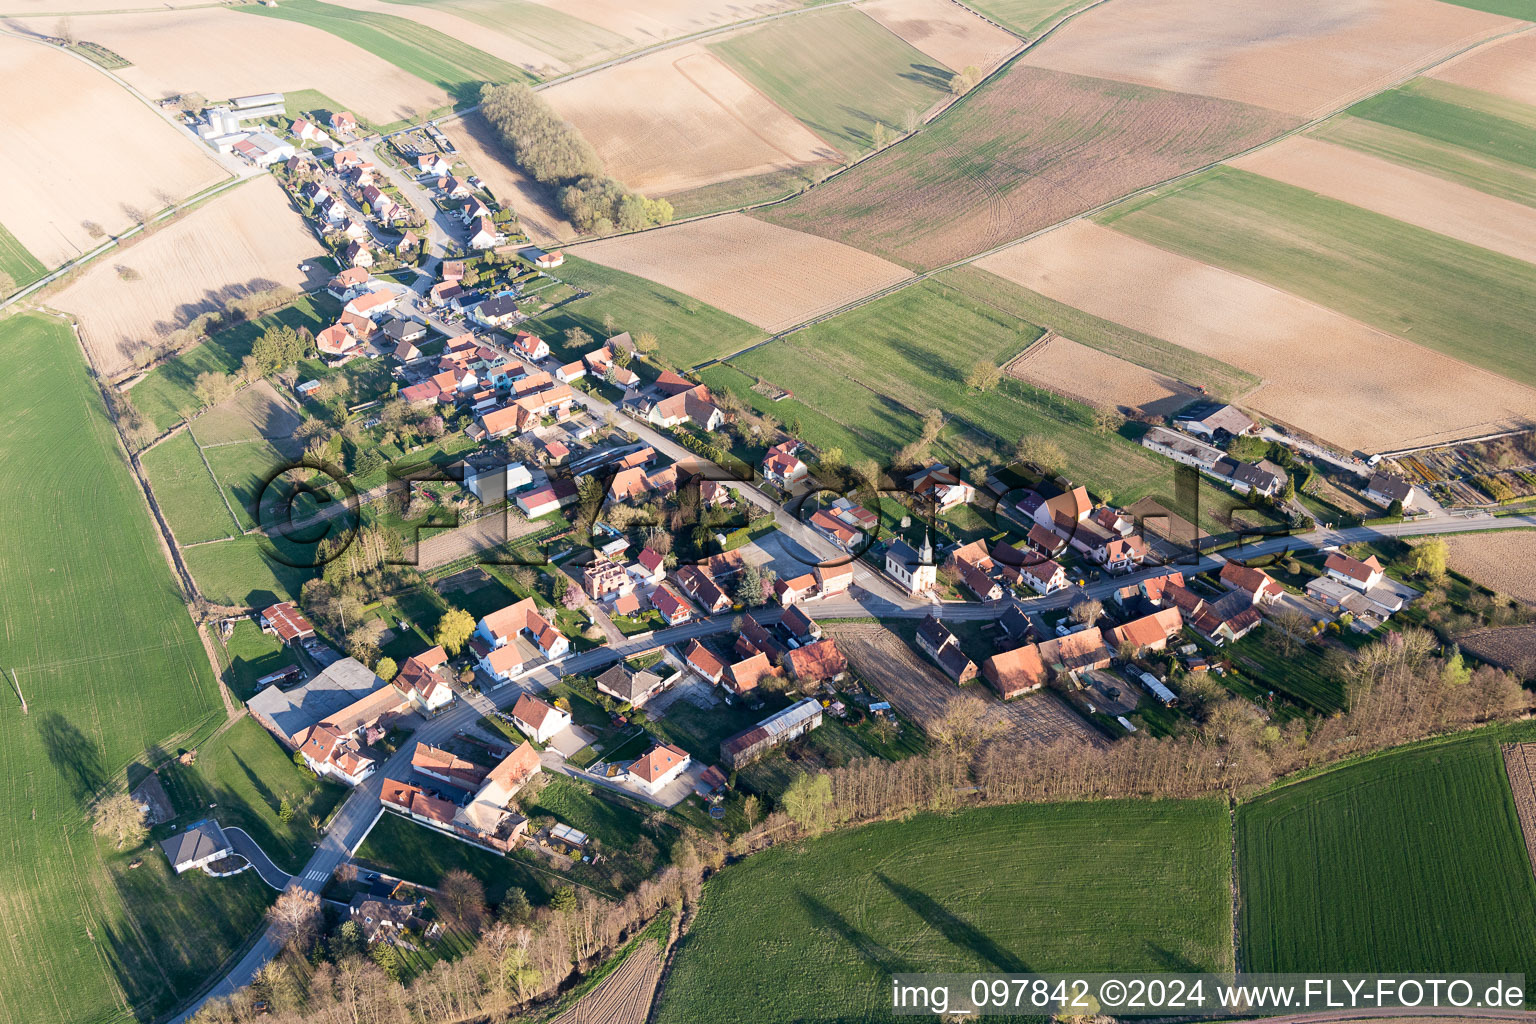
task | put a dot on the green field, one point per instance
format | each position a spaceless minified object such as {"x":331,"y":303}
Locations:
{"x":237,"y":572}
{"x":111,"y":667}
{"x":1459,"y":299}
{"x":1409,"y":858}
{"x":1525,"y":10}
{"x":1300,"y":676}
{"x":1472,"y":120}
{"x":1487,"y":174}
{"x":243,"y":470}
{"x":456,"y":67}
{"x":165,"y":395}
{"x":416,"y":853}
{"x":1086,"y":329}
{"x":875,"y":369}
{"x":689,"y":332}
{"x":839,"y":72}
{"x":558,"y":34}
{"x":249,"y":775}
{"x":18,"y":267}
{"x":188,"y":497}
{"x":251,"y":655}
{"x":1028,"y":18}
{"x":749,"y":191}
{"x":998,"y":890}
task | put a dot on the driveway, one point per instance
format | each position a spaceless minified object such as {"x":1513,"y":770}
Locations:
{"x":570,"y":740}
{"x":246,"y":847}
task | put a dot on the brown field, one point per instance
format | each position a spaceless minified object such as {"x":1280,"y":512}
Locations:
{"x":1055,"y":144}
{"x":1323,"y":372}
{"x":767,"y":275}
{"x":1399,"y":192}
{"x":1098,"y":378}
{"x":54,"y":178}
{"x":223,"y":53}
{"x":1506,"y":68}
{"x":439,"y":547}
{"x":256,"y":413}
{"x":679,"y":119}
{"x":1502,"y":561}
{"x":1511,"y":647}
{"x":655,"y":20}
{"x":1520,"y":766}
{"x":945,"y":31}
{"x":624,"y":997}
{"x":248,"y":240}
{"x":920,"y":691}
{"x":1305,"y":57}
{"x":535,"y":206}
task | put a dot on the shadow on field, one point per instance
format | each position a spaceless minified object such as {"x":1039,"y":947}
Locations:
{"x":930,"y":75}
{"x":885,"y":960}
{"x":74,"y":754}
{"x":957,"y":930}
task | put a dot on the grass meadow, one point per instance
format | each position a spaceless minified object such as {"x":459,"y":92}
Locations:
{"x":1459,"y":299}
{"x":1408,"y":858}
{"x":456,"y":67}
{"x":749,"y":191}
{"x":251,"y":654}
{"x":1522,"y":9}
{"x":18,"y":267}
{"x":839,"y":72}
{"x":188,"y":497}
{"x":243,"y":469}
{"x":406,"y":849}
{"x":996,"y":890}
{"x":238,"y":572}
{"x":688,"y":331}
{"x":111,"y":667}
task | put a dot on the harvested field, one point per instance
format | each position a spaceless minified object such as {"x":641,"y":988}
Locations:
{"x":1097,"y":378}
{"x":1304,"y":58}
{"x":220,"y":53}
{"x":1490,"y":174}
{"x":246,"y":241}
{"x":1520,"y":766}
{"x":921,"y":692}
{"x":1026,"y":150}
{"x":1506,"y":68}
{"x":535,"y":207}
{"x":255,"y":413}
{"x":1375,"y":400}
{"x":50,"y":193}
{"x":681,"y":118}
{"x":945,"y":31}
{"x":767,"y":275}
{"x":1512,"y":647}
{"x":1502,"y":561}
{"x":624,"y":997}
{"x":1399,"y":192}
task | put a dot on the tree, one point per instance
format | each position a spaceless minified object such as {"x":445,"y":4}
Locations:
{"x":384,"y":954}
{"x":1043,"y":454}
{"x":749,"y":588}
{"x":285,"y":811}
{"x":463,"y":899}
{"x":563,"y":900}
{"x":966,"y":725}
{"x":808,"y":802}
{"x":983,"y":376}
{"x":911,"y":121}
{"x":751,"y":809}
{"x":1455,"y":671}
{"x":1427,"y":560}
{"x":348,"y":940}
{"x":577,"y":338}
{"x":1289,"y":629}
{"x":1087,"y":611}
{"x":880,"y":136}
{"x":1396,"y":508}
{"x":964,"y":81}
{"x":294,"y":917}
{"x":1107,"y":419}
{"x":515,"y":908}
{"x":646,"y":343}
{"x":212,"y":387}
{"x":118,"y":818}
{"x":386,"y":669}
{"x":453,"y":630}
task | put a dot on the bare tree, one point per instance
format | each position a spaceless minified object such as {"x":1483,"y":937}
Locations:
{"x":966,"y":725}
{"x":1288,"y":629}
{"x":1087,"y":611}
{"x":294,"y":916}
{"x":118,"y":818}
{"x":463,"y":899}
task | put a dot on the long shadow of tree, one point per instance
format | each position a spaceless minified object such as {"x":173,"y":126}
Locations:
{"x":884,"y":959}
{"x":74,"y":755}
{"x":957,"y":930}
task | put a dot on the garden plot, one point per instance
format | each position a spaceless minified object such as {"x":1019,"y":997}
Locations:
{"x":247,"y":241}
{"x":1387,"y":393}
{"x":767,"y":275}
{"x":1306,"y":57}
{"x":679,"y":119}
{"x":55,"y":190}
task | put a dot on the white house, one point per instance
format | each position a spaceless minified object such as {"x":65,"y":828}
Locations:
{"x":484,"y":235}
{"x":1044,"y":577}
{"x":537,"y":719}
{"x":658,"y":767}
{"x":1353,"y":572}
{"x":200,"y":845}
{"x":782,"y":466}
{"x":1384,"y":489}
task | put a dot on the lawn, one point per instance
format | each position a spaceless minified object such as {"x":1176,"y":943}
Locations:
{"x":111,"y":667}
{"x":18,"y":267}
{"x":243,"y":470}
{"x":1301,"y":676}
{"x":187,"y":495}
{"x":1408,"y":858}
{"x":839,"y":72}
{"x":610,"y":819}
{"x":238,"y":572}
{"x":689,"y":332}
{"x":165,"y":395}
{"x":875,"y":369}
{"x":1489,"y":174}
{"x":927,"y":894}
{"x":416,"y":853}
{"x":456,"y":67}
{"x":1028,"y":18}
{"x":253,"y":654}
{"x":700,"y":731}
{"x":1467,"y":302}
{"x":558,"y":34}
{"x":248,"y":775}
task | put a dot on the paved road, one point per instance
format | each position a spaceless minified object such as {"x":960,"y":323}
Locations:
{"x":246,"y":847}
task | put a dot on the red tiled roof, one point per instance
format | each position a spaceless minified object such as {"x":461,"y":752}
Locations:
{"x":657,"y":761}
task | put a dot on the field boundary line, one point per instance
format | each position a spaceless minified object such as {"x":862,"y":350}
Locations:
{"x":222,"y":496}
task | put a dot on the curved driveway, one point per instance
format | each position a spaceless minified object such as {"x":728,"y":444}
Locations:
{"x":246,"y":847}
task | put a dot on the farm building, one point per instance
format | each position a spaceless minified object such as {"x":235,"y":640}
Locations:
{"x":286,"y":622}
{"x":1214,"y":421}
{"x":773,"y":731}
{"x":290,"y":715}
{"x":1014,"y":672}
